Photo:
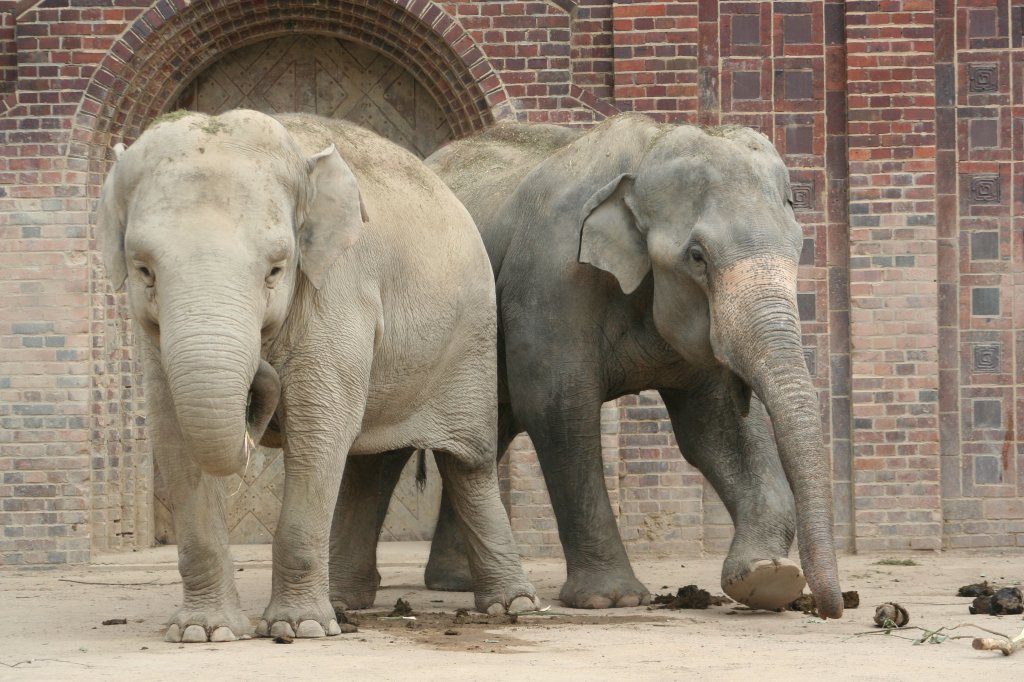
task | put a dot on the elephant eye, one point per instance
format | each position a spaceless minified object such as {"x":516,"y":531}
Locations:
{"x":273,"y":275}
{"x":147,"y":275}
{"x":697,"y":255}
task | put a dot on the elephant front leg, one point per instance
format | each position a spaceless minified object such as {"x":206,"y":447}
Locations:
{"x":210,"y":609}
{"x":738,"y":456}
{"x":322,"y":419}
{"x":499,"y":583}
{"x":300,"y":604}
{"x":366,"y":490}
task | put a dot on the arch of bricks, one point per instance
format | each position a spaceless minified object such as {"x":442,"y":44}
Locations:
{"x":140,"y":77}
{"x":170,"y":44}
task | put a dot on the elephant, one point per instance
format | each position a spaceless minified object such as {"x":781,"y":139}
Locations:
{"x":302,"y":282}
{"x":639,"y":256}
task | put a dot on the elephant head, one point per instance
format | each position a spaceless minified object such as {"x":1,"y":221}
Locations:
{"x":213,"y":223}
{"x":709,"y":215}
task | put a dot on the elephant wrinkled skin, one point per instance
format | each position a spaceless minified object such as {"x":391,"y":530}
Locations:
{"x":303,"y":281}
{"x":643,"y":256}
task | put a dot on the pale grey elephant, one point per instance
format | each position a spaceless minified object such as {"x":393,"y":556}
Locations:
{"x":644,"y":256}
{"x":308,"y":271}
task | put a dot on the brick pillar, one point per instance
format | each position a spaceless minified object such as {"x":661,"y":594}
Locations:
{"x":893,"y":293}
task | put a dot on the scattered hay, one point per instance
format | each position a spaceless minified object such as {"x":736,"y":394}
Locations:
{"x":895,"y":562}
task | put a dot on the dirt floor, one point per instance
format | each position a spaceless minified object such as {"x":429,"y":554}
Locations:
{"x":51,"y":627}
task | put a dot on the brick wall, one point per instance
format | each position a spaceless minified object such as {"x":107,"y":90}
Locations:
{"x":902,"y":122}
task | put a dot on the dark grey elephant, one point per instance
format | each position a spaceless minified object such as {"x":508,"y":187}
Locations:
{"x":644,"y":256}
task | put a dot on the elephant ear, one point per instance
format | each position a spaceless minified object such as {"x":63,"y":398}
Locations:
{"x":110,"y":226}
{"x":334,"y":216}
{"x":610,"y":238}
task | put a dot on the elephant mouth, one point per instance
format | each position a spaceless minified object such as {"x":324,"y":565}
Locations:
{"x":261,"y":404}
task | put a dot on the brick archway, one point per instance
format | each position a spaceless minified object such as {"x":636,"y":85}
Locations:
{"x":167,"y":46}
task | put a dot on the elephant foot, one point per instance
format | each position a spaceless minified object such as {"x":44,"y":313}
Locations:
{"x":447,"y":572}
{"x":603,"y":590}
{"x":302,"y":622}
{"x":352,"y":599}
{"x":766,"y":584}
{"x":520,"y":597}
{"x":194,"y":626}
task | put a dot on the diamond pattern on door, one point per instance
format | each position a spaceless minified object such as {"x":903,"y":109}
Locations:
{"x":323,"y":76}
{"x":338,"y":79}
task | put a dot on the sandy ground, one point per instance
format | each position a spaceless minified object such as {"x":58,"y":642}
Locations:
{"x":50,"y":628}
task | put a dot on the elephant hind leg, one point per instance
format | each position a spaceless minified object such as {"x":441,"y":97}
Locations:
{"x":448,"y":566}
{"x":499,"y":583}
{"x":366,"y":490}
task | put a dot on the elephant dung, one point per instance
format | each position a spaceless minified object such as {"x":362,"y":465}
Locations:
{"x":402,"y":608}
{"x":982,"y":589}
{"x":689,"y":597}
{"x":1004,"y":602}
{"x":805,"y":603}
{"x":891,"y":614}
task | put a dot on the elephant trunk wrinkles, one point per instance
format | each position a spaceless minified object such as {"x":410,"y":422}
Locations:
{"x":759,"y":318}
{"x":219,"y":383}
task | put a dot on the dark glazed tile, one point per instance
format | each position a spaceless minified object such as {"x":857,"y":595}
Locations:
{"x":796,"y":29}
{"x":746,"y":85}
{"x":746,"y":29}
{"x":983,"y":133}
{"x":984,"y":246}
{"x":799,"y":140}
{"x":985,"y":301}
{"x":807,"y":306}
{"x":982,"y":23}
{"x":988,"y":470}
{"x":807,"y":252}
{"x":799,"y":84}
{"x":988,"y":414}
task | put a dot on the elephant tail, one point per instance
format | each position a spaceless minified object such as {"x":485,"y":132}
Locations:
{"x":421,"y":470}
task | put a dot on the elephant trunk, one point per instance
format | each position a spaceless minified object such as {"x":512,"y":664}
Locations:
{"x":220,"y":386}
{"x":756,"y":332}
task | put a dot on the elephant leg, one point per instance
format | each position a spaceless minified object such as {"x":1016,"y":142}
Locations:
{"x":499,"y":583}
{"x":359,"y":514}
{"x":315,"y":454}
{"x":738,"y":456}
{"x":566,"y":432}
{"x":210,"y":609}
{"x":448,"y":567}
